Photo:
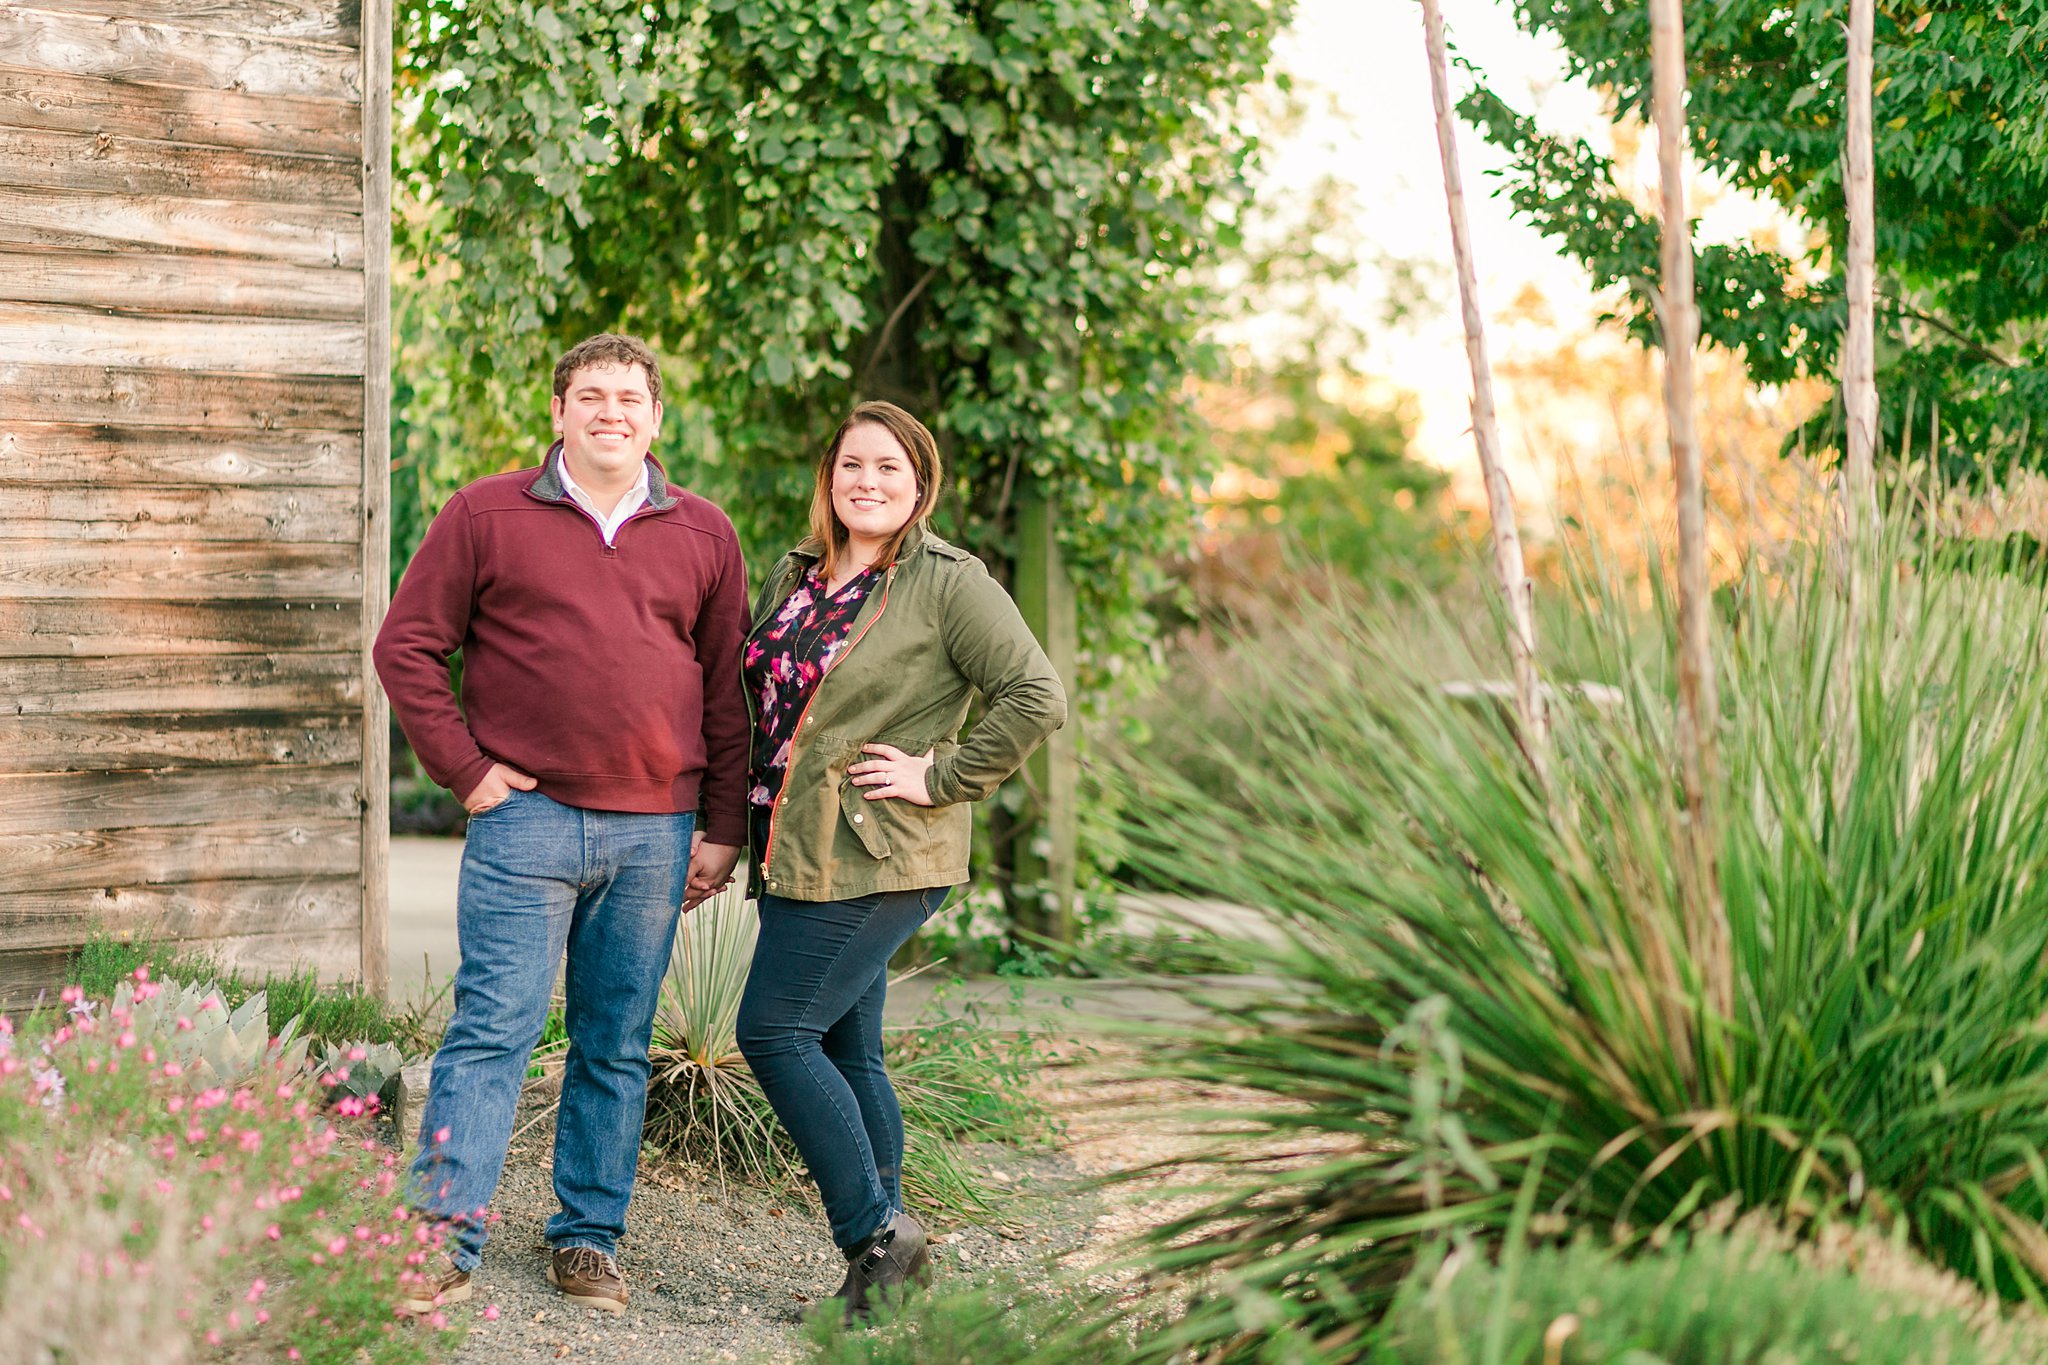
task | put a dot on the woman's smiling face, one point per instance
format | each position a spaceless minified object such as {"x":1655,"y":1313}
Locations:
{"x":874,"y":486}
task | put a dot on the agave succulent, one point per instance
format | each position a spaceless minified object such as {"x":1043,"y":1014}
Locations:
{"x":192,"y":1025}
{"x":360,"y":1068}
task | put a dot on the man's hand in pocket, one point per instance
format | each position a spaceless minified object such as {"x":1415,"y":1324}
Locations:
{"x":499,"y":783}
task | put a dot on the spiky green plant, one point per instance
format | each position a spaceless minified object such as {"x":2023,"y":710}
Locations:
{"x":958,"y":1080}
{"x":704,"y":1101}
{"x":212,"y":1045}
{"x":1882,"y":816}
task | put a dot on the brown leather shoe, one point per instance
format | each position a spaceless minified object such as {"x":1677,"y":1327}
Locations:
{"x":439,"y":1284}
{"x":587,"y":1277}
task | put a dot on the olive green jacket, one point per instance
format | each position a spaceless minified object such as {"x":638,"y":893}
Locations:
{"x":936,"y":630}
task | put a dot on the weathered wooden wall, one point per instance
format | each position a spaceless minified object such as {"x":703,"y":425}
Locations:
{"x":193,"y":456}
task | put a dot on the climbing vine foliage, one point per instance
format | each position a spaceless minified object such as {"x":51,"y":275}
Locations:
{"x":1003,"y":214}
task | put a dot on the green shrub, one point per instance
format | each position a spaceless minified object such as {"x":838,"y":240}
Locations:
{"x":1479,"y":972}
{"x":1712,"y":1299}
{"x":328,"y":1014}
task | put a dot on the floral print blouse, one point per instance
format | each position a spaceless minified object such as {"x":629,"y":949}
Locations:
{"x":783,"y":664}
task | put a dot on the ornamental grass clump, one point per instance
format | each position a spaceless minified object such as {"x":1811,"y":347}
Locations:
{"x":958,"y":1079}
{"x":190,"y":1201}
{"x":1489,"y":986}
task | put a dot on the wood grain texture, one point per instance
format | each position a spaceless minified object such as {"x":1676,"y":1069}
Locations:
{"x":45,"y":453}
{"x":119,"y":222}
{"x":327,"y":21}
{"x":331,"y":956}
{"x":180,"y":686}
{"x":31,"y":976}
{"x":224,"y":850}
{"x":98,"y":163}
{"x":129,"y":49}
{"x":170,"y":113}
{"x":48,"y":335}
{"x":374,"y":930}
{"x":110,"y":743}
{"x":139,"y":512}
{"x":99,"y":395}
{"x":138,"y":283}
{"x":101,"y":627}
{"x":32,"y":804}
{"x":201,"y":910}
{"x":178,"y":571}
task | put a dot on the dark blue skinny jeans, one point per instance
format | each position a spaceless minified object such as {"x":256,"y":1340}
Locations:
{"x":810,"y":1026}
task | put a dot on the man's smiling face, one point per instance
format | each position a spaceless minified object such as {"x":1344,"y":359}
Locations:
{"x":607,"y":419}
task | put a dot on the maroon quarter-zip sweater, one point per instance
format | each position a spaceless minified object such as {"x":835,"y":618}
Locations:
{"x":610,"y":673}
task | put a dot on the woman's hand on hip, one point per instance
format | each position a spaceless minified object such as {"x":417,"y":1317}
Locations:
{"x":892,"y":773}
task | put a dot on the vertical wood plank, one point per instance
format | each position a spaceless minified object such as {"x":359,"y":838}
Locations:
{"x":376,"y":85}
{"x":1044,"y":857}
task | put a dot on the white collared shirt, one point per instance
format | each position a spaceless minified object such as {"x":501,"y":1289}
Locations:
{"x":608,"y":526}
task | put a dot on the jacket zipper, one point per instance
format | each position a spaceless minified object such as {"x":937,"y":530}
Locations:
{"x":775,"y":811}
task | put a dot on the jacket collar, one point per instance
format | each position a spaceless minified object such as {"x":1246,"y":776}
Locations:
{"x":547,"y":484}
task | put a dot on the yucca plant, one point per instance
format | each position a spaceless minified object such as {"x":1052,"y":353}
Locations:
{"x":1491,"y":987}
{"x":957,"y":1079}
{"x":702,"y":1099}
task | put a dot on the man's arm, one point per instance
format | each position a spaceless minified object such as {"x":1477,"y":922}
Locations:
{"x":720,"y":634}
{"x":428,"y":621}
{"x":721,"y":802}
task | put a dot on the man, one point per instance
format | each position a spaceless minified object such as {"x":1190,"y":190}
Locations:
{"x":601,"y":749}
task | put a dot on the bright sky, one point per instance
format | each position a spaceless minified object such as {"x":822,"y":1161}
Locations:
{"x":1360,"y":66}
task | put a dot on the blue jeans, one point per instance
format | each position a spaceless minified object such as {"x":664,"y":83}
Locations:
{"x":810,"y":1026}
{"x":539,"y":877}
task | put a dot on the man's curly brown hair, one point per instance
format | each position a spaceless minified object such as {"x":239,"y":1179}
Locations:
{"x":608,"y":348}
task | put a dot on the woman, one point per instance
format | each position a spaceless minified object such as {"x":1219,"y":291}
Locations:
{"x":869,"y":640}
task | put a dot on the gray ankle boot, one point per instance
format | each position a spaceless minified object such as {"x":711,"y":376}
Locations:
{"x":878,"y":1268}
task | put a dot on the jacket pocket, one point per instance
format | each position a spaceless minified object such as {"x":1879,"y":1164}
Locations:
{"x":863,"y":819}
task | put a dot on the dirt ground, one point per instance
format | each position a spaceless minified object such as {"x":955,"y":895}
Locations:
{"x":720,"y":1273}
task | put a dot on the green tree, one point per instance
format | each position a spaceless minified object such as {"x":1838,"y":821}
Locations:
{"x":1962,"y":199}
{"x":1001,"y":213}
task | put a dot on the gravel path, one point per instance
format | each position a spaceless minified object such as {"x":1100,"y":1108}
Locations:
{"x":721,"y":1275}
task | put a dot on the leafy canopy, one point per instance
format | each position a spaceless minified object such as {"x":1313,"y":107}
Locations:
{"x":999,"y":213}
{"x":1961,"y":146}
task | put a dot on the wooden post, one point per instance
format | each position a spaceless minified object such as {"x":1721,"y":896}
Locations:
{"x":1044,"y":846}
{"x":1859,"y":343}
{"x":1678,"y":308}
{"x":1500,"y":501}
{"x":376,"y":529}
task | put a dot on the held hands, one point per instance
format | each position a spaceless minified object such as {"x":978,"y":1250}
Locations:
{"x":499,"y":783}
{"x":711,"y":867}
{"x":894,"y":774}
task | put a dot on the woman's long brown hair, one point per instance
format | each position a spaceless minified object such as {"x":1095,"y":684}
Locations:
{"x":917,"y":442}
